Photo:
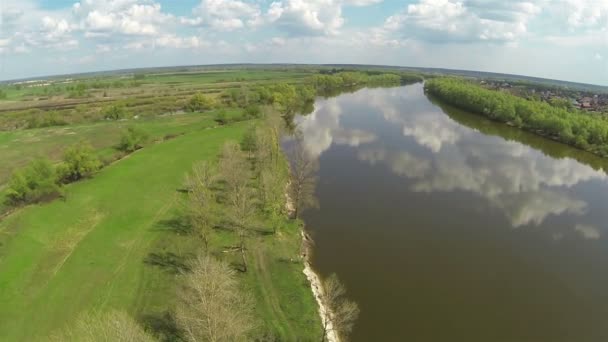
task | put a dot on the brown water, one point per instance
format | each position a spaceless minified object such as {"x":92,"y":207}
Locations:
{"x":447,"y":227}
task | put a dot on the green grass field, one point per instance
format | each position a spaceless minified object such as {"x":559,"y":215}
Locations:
{"x":112,"y":244}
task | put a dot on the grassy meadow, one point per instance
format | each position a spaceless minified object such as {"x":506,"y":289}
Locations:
{"x":114,"y":243}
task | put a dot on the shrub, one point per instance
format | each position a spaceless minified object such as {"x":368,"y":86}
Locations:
{"x":79,"y":161}
{"x":221,"y":117}
{"x":35,"y":183}
{"x":200,"y":102}
{"x":114,"y":112}
{"x":133,"y":139}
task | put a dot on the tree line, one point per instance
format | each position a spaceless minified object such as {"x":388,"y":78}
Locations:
{"x":585,"y":131}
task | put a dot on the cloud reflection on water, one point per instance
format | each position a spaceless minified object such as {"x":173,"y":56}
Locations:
{"x":526,"y":185}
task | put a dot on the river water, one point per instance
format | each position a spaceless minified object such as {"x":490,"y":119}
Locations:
{"x":447,"y":227}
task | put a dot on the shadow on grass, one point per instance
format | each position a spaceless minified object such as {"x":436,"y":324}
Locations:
{"x":163,"y":326}
{"x":168,"y":261}
{"x":178,"y":225}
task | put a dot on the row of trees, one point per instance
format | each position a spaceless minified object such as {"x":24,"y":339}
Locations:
{"x":585,"y":131}
{"x":248,"y":186}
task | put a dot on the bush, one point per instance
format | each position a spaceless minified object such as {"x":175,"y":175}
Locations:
{"x":37,"y":182}
{"x":199,"y":103}
{"x":221,"y":117}
{"x":79,"y":161}
{"x":133,"y":139}
{"x":114,"y":112}
{"x":253,"y":111}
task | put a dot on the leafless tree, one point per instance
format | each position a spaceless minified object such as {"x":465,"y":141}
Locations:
{"x":341,"y":311}
{"x":242,"y":210}
{"x":303,"y":179}
{"x":212,"y":307}
{"x":234,"y":169}
{"x":113,"y":326}
{"x":201,"y":199}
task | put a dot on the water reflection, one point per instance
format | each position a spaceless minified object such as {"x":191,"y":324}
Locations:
{"x":525,"y":184}
{"x":448,"y":227}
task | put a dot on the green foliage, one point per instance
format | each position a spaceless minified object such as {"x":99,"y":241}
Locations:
{"x":200,"y":102}
{"x":139,"y":76}
{"x":79,"y":161}
{"x":114,"y":112}
{"x":221,"y":117}
{"x":585,"y":131}
{"x":133,"y":139}
{"x":253,"y":111}
{"x":36,"y":182}
{"x":324,"y":83}
{"x":3,"y":94}
{"x":248,"y":143}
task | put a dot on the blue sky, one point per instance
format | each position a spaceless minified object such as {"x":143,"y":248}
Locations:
{"x":562,"y":39}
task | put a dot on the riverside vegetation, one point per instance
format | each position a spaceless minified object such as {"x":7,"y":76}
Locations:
{"x":585,"y":131}
{"x":135,"y":250}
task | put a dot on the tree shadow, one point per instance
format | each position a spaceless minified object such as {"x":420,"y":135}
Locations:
{"x":163,"y":326}
{"x":178,"y":225}
{"x":168,"y":261}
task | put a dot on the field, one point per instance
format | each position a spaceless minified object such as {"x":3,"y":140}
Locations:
{"x":117,"y":240}
{"x":112,"y":244}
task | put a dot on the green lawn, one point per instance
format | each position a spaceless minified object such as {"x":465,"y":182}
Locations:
{"x":112,"y":244}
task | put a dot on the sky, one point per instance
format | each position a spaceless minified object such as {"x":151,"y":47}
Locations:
{"x":559,"y":39}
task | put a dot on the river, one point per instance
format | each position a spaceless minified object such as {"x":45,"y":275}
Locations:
{"x":444,"y":226}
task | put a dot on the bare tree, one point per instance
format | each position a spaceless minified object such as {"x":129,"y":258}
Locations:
{"x":212,"y":306}
{"x":303,"y":179}
{"x":113,"y":326}
{"x":340,"y":311}
{"x":242,"y":210}
{"x":201,"y":199}
{"x":234,"y":168}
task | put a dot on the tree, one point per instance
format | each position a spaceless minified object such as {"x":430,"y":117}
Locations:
{"x":212,"y":306}
{"x":200,"y":102}
{"x":132,"y":139}
{"x":113,"y":326}
{"x":302,"y":180}
{"x":242,"y":209}
{"x":248,"y":143}
{"x":341,"y":313}
{"x":79,"y":161}
{"x":36,"y":182}
{"x":201,"y":198}
{"x":235,"y":171}
{"x":233,"y":166}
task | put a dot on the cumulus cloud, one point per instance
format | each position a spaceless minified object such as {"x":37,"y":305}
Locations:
{"x":469,"y":21}
{"x":225,"y":15}
{"x":103,"y":18}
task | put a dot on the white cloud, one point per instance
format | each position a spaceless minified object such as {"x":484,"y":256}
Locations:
{"x":103,"y":18}
{"x":470,"y":21}
{"x":173,"y":41}
{"x":587,"y":231}
{"x":225,"y":15}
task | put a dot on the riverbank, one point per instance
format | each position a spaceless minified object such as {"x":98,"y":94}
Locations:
{"x":313,"y":278}
{"x":317,"y":288}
